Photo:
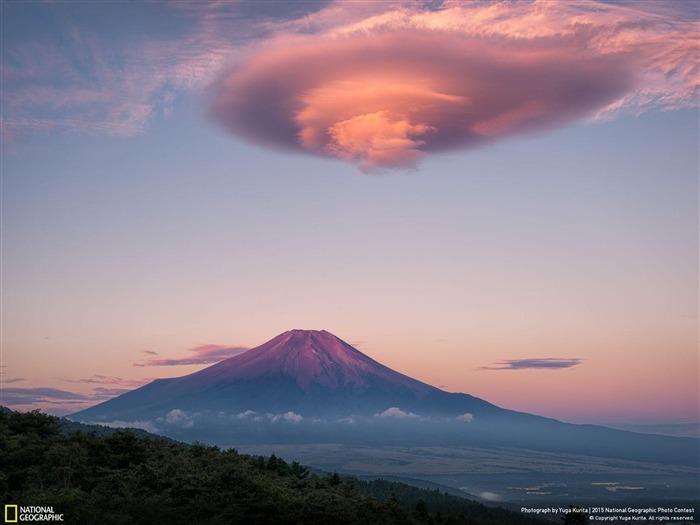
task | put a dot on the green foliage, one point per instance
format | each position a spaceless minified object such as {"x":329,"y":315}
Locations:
{"x":118,"y":477}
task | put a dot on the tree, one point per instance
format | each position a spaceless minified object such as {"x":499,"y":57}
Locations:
{"x":298,"y":471}
{"x":421,"y":510}
{"x":334,"y":479}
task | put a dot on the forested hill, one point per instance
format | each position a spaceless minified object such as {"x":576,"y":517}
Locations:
{"x":119,"y":477}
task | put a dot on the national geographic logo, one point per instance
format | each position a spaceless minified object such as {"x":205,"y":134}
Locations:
{"x":17,"y":514}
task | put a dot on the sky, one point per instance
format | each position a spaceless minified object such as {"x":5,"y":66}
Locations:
{"x":498,"y":198}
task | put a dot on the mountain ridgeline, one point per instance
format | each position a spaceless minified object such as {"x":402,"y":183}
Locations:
{"x":308,"y":386}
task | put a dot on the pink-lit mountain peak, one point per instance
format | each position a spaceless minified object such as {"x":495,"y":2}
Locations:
{"x":311,"y":358}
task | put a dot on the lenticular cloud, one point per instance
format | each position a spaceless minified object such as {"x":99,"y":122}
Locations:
{"x":386,"y":88}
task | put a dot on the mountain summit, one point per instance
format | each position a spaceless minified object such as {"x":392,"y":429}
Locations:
{"x":314,"y":360}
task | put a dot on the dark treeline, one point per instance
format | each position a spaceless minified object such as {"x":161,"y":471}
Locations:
{"x":119,"y":477}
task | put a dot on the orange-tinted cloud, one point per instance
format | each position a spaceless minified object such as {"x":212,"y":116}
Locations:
{"x":384,"y":88}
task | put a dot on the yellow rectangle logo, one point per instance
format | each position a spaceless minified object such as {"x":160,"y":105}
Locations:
{"x":10,"y":510}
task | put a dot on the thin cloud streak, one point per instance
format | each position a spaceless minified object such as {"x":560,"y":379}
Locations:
{"x":42,"y":392}
{"x":385,"y":90}
{"x":39,"y":396}
{"x":56,"y":395}
{"x":108,"y":380}
{"x":57,"y":400}
{"x":546,"y":363}
{"x":5,"y":380}
{"x":101,"y":393}
{"x":201,"y":355}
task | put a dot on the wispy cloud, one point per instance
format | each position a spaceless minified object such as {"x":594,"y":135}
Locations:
{"x":289,"y":416}
{"x":29,"y":396}
{"x":107,"y":380}
{"x":5,"y":380}
{"x":546,"y":363}
{"x":56,"y":400}
{"x":201,"y":355}
{"x":175,"y":418}
{"x":489,"y":496}
{"x":384,"y":84}
{"x":148,"y":426}
{"x":71,"y":77}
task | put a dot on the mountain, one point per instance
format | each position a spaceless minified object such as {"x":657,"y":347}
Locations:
{"x":304,"y":371}
{"x":310,"y":386}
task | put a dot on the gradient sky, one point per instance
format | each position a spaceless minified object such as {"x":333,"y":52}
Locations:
{"x":494,"y":198}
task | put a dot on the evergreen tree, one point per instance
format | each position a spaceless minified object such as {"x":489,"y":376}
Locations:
{"x":421,"y":510}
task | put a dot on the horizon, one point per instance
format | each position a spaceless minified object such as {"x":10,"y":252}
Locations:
{"x":499,"y":199}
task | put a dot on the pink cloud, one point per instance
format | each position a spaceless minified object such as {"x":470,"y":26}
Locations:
{"x":201,"y":355}
{"x":384,"y":88}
